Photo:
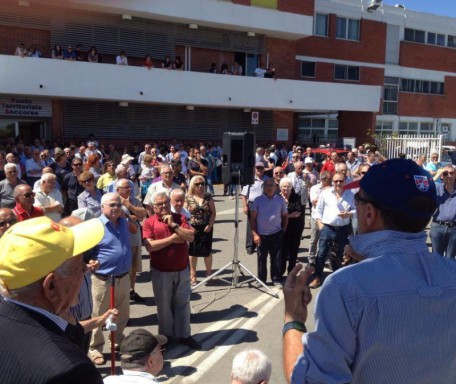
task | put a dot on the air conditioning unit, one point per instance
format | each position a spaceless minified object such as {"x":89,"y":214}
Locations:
{"x":373,"y":5}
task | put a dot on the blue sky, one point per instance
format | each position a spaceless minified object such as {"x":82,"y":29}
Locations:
{"x":438,"y":7}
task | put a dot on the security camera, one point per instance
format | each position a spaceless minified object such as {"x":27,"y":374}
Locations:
{"x":374,"y":4}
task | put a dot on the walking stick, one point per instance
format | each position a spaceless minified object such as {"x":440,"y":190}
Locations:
{"x":113,"y":333}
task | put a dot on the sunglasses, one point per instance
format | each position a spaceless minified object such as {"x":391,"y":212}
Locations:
{"x":260,"y":168}
{"x":28,"y":195}
{"x":77,"y":165}
{"x":10,"y":222}
{"x":278,"y":173}
{"x":447,"y":173}
{"x":338,"y":181}
{"x":113,"y":205}
{"x":199,"y":184}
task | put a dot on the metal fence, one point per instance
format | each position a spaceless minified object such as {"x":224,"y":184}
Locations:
{"x":412,"y":145}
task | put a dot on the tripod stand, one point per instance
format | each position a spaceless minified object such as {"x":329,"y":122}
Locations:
{"x":235,"y":264}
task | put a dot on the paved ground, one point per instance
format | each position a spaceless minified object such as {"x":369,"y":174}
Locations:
{"x":225,"y":319}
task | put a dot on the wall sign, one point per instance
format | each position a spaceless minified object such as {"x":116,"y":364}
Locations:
{"x":25,"y":107}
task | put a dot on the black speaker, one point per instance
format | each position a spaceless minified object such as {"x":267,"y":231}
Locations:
{"x":238,"y":158}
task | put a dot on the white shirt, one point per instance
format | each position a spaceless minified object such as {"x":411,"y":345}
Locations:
{"x":121,"y":60}
{"x":330,"y":205}
{"x":184,"y":212}
{"x":43,"y":200}
{"x":131,"y":377}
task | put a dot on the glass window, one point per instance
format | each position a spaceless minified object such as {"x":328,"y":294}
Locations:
{"x":390,"y":108}
{"x":391,"y":80}
{"x":403,"y":85}
{"x":333,"y":123}
{"x":340,"y":72}
{"x":451,"y":41}
{"x":426,"y":127}
{"x":390,"y":93}
{"x":305,"y":123}
{"x":318,"y":123}
{"x":418,"y":86}
{"x":353,"y":29}
{"x":353,"y":73}
{"x":321,"y":25}
{"x":341,"y":28}
{"x":442,"y":88}
{"x":426,"y":86}
{"x":434,"y":87}
{"x":431,"y":38}
{"x":441,"y":40}
{"x":409,"y":34}
{"x":420,"y":36}
{"x":307,"y":69}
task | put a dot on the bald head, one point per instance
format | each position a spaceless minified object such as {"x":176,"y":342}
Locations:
{"x":70,"y":221}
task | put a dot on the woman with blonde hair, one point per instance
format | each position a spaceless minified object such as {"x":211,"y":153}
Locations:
{"x":202,"y":209}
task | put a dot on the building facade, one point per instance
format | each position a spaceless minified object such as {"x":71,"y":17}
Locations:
{"x":340,"y":71}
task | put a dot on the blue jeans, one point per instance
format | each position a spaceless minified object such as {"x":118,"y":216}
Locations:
{"x":270,"y":244}
{"x":443,"y":240}
{"x":328,"y":235}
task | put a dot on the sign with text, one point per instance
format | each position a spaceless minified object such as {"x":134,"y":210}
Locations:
{"x":25,"y":107}
{"x":255,"y":118}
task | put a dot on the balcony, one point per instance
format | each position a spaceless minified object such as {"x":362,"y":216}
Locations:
{"x":208,"y":13}
{"x":58,"y":79}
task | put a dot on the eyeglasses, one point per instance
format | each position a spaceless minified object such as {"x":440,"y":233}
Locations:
{"x":338,"y":181}
{"x":161,"y":205}
{"x":446,"y":173}
{"x":199,"y":184}
{"x":28,"y":195}
{"x":113,"y":205}
{"x":6,"y":222}
{"x":77,"y":165}
{"x":278,"y":173}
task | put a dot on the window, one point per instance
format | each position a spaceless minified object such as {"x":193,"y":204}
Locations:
{"x":426,"y":128}
{"x":321,"y":25}
{"x":422,"y":86}
{"x":307,"y":69}
{"x":435,"y":39}
{"x":408,"y":128}
{"x":346,"y":72}
{"x":347,"y":28}
{"x":414,"y":35}
{"x":384,"y":127}
{"x":451,"y":41}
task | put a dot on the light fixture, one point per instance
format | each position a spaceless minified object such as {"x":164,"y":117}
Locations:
{"x":123,"y":104}
{"x":247,"y":110}
{"x":190,"y":108}
{"x":23,"y":3}
{"x":126,"y":17}
{"x":193,"y":26}
{"x":374,"y":4}
{"x":251,"y":34}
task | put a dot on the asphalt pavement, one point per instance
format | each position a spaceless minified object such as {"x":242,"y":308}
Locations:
{"x":226,"y":317}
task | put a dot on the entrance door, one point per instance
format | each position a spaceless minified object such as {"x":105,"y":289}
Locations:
{"x":7,"y":129}
{"x":240,"y":58}
{"x":251,"y":64}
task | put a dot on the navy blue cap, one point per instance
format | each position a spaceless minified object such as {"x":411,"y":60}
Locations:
{"x":394,"y":183}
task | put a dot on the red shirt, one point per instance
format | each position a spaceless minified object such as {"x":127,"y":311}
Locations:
{"x":328,"y":166}
{"x":174,"y":257}
{"x":22,"y":214}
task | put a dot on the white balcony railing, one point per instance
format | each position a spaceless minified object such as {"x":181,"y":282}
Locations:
{"x":80,"y":80}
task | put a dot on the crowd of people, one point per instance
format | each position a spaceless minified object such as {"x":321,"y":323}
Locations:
{"x":162,"y":197}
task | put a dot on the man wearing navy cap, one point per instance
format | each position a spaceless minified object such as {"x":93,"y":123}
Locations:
{"x":389,"y":318}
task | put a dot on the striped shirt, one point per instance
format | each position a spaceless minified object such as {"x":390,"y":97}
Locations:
{"x":388,"y":319}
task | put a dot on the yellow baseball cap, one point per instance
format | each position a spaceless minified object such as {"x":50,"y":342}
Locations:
{"x":33,"y":248}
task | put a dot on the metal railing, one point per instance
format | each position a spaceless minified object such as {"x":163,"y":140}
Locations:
{"x":412,"y":145}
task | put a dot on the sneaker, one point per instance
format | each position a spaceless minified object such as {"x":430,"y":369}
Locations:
{"x":232,"y":197}
{"x":136,"y":298}
{"x":277,"y":284}
{"x":191,"y":343}
{"x":315,"y":283}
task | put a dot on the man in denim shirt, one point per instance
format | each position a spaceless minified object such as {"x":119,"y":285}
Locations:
{"x":389,"y":318}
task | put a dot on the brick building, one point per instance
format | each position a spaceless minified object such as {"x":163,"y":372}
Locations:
{"x":341,"y":71}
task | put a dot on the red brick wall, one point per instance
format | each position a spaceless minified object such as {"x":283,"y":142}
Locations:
{"x":427,"y":57}
{"x":203,"y":58}
{"x":356,"y":124}
{"x":304,"y":7}
{"x":371,"y":47}
{"x":284,"y":120}
{"x":57,"y":119}
{"x":282,"y":54}
{"x":416,"y":104}
{"x":10,"y":37}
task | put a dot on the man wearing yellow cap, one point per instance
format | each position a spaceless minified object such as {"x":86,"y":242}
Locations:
{"x":41,"y":271}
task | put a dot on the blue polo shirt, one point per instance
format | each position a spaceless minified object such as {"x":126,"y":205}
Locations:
{"x":114,"y":251}
{"x":446,"y":204}
{"x":270,"y":210}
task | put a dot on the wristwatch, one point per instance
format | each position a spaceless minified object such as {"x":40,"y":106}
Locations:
{"x":293,"y":325}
